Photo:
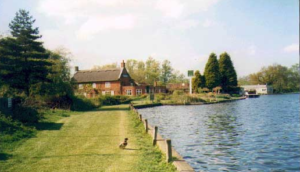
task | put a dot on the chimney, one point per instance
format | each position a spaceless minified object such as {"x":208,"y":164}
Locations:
{"x":123,"y":64}
{"x":155,"y":83}
{"x":76,"y":68}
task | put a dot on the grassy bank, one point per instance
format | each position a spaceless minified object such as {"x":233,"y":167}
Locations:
{"x":85,"y":141}
{"x":185,"y":99}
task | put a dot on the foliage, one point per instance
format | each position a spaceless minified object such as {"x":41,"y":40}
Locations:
{"x":197,"y":82}
{"x":80,"y":103}
{"x":211,"y":73}
{"x":12,"y":130}
{"x":282,"y":79}
{"x":227,"y":72}
{"x":166,"y":72}
{"x":152,"y":70}
{"x":245,"y":80}
{"x":22,"y":56}
{"x":107,"y":66}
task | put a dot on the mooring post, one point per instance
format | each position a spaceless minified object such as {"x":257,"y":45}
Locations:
{"x":141,"y":119}
{"x":155,"y":135}
{"x":146,"y":125}
{"x":168,"y":150}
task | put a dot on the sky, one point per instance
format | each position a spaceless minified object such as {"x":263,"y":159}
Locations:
{"x":255,"y":33}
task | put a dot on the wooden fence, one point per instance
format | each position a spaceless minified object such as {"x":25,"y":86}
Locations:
{"x":165,"y":145}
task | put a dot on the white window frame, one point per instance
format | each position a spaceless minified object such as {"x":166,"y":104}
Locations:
{"x":129,"y":91}
{"x":112,"y":93}
{"x":107,"y":84}
{"x":94,"y":85}
{"x":80,"y":86}
{"x":139,"y":92}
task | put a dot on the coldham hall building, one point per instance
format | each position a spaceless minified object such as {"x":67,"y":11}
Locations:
{"x":92,"y":83}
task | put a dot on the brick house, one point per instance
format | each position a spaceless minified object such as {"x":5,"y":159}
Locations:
{"x":91,"y":83}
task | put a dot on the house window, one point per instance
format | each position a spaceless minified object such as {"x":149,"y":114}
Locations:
{"x":128,"y":92}
{"x":263,"y":89}
{"x":138,"y":91}
{"x":107,"y":93}
{"x":80,"y":86}
{"x":125,"y":75}
{"x":107,"y":84}
{"x":94,"y":85}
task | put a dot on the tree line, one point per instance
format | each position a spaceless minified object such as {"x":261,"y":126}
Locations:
{"x":283,"y":79}
{"x":150,"y":71}
{"x":218,"y":74}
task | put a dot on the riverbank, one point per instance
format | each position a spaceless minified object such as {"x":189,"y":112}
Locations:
{"x":139,"y":104}
{"x":86,"y":141}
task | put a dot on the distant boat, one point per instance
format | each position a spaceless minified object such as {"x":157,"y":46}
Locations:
{"x":252,"y":95}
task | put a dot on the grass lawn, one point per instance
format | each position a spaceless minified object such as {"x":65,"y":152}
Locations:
{"x":87,"y":141}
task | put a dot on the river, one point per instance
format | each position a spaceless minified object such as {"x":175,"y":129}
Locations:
{"x":258,"y":134}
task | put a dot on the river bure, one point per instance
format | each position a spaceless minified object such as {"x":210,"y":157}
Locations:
{"x":249,"y":135}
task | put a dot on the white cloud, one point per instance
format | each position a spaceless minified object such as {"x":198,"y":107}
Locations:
{"x":208,"y":23}
{"x":292,"y":48}
{"x":95,"y":25}
{"x":186,"y":24}
{"x":183,"y":8}
{"x":252,"y":50}
{"x":170,"y":8}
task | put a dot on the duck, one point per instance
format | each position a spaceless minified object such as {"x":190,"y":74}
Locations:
{"x":123,"y":144}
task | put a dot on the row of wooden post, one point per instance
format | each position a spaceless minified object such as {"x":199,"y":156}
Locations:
{"x":155,"y":130}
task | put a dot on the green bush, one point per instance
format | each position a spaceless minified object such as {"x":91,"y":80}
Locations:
{"x":82,"y":104}
{"x":11,"y":130}
{"x":25,"y":114}
{"x":178,"y":92}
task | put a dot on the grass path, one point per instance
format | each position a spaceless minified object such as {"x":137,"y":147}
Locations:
{"x":83,"y":142}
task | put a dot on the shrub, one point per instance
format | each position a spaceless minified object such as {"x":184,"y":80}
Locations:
{"x":11,"y":130}
{"x":178,"y":92}
{"x":81,"y":103}
{"x":25,"y":114}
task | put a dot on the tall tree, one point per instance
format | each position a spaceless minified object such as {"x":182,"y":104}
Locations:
{"x":196,"y":80}
{"x":166,"y":71}
{"x":227,"y":72}
{"x":211,"y":72}
{"x":152,"y":70}
{"x":23,"y":59}
{"x":107,"y":66}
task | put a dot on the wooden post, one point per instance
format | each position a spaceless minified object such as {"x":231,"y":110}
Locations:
{"x":155,"y":135}
{"x":168,"y":150}
{"x":146,"y":125}
{"x":141,"y":119}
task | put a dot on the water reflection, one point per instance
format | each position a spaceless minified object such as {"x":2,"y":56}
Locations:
{"x":252,"y":135}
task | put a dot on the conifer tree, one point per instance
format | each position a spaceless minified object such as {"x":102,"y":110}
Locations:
{"x":23,"y":59}
{"x":227,"y":71}
{"x":196,"y":81}
{"x":211,"y":72}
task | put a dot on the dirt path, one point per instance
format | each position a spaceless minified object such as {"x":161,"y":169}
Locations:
{"x":84,"y":142}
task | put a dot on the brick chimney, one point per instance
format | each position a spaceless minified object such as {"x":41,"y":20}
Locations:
{"x":123,"y":64}
{"x":76,"y":68}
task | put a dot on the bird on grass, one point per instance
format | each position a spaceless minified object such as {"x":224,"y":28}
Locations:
{"x":123,"y":144}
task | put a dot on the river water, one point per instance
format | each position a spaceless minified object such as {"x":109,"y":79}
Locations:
{"x":259,"y":134}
